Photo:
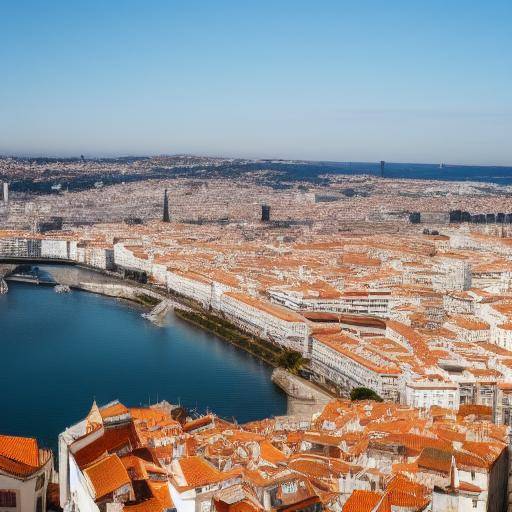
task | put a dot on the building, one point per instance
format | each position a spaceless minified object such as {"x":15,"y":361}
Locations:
{"x":469,"y":328}
{"x":338,"y":358}
{"x":265,"y":213}
{"x":5,"y":193}
{"x":25,"y":472}
{"x":12,"y":246}
{"x":432,"y":390}
{"x":268,"y":321}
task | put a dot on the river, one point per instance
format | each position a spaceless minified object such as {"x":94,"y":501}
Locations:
{"x":59,"y":352}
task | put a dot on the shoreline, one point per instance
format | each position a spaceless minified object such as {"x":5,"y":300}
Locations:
{"x":147,"y":296}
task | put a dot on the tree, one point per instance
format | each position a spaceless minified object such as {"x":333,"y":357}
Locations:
{"x":364,"y":394}
{"x":291,"y":360}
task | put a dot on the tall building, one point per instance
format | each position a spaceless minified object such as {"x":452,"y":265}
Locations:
{"x":382,"y":164}
{"x":5,"y":192}
{"x":265,"y":213}
{"x":166,"y":217}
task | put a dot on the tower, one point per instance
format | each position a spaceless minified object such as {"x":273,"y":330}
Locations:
{"x":5,"y":192}
{"x":265,"y":213}
{"x":382,"y":164}
{"x":166,"y":217}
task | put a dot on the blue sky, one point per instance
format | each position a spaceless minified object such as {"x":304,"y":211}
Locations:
{"x":416,"y":81}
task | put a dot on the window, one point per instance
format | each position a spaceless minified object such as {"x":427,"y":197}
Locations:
{"x":472,"y":475}
{"x":8,"y":499}
{"x":475,"y":503}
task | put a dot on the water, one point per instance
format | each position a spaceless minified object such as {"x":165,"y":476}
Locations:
{"x":501,"y":175}
{"x":445,"y":172}
{"x":61,"y":351}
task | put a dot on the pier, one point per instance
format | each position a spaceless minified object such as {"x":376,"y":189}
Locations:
{"x":158,"y":313}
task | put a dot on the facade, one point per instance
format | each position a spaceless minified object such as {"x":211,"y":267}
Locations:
{"x":431,"y":391}
{"x":333,"y":357}
{"x":191,"y":285}
{"x":20,"y":247}
{"x":266,"y":320}
{"x":453,"y":274}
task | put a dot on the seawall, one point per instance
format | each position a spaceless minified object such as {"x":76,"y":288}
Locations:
{"x":304,"y":398}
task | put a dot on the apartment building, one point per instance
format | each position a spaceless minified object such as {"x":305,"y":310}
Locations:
{"x":19,"y":246}
{"x":432,"y":390}
{"x":338,"y":359}
{"x":468,"y":328}
{"x":266,"y":320}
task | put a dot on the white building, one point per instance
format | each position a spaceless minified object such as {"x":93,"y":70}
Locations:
{"x":501,"y":335}
{"x":132,"y":257}
{"x":191,"y":285}
{"x":266,"y":320}
{"x":20,"y":247}
{"x":468,"y":328}
{"x":25,"y":471}
{"x":432,"y":390}
{"x":58,"y":249}
{"x":336,"y":358}
{"x":452,"y":272}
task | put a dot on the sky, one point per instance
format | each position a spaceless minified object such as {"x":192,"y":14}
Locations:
{"x":394,"y":80}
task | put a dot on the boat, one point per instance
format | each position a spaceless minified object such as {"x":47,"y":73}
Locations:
{"x":62,"y":288}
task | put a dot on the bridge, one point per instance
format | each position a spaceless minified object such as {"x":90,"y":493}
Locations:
{"x":35,"y":260}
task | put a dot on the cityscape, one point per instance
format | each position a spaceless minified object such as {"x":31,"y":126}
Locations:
{"x":256,"y":256}
{"x":348,"y":287}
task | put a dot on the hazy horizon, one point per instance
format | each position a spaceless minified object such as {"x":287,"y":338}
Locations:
{"x":340,"y":81}
{"x":93,"y":156}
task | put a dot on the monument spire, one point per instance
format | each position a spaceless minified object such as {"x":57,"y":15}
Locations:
{"x":166,"y":217}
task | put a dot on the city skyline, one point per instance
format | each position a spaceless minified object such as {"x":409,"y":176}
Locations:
{"x":338,"y":81}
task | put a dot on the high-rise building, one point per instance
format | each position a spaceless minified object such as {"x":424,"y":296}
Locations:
{"x":166,"y":217}
{"x":265,"y":213}
{"x":382,"y":164}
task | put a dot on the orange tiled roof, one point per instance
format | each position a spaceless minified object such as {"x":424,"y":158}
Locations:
{"x":198,"y":472}
{"x":107,"y":475}
{"x":20,"y":449}
{"x":362,"y":501}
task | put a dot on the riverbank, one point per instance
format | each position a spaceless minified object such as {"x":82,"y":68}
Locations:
{"x":148,"y":296}
{"x":304,"y":397}
{"x":85,"y":346}
{"x":267,"y":352}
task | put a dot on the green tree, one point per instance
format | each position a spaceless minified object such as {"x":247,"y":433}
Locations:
{"x":291,"y":360}
{"x":364,"y":394}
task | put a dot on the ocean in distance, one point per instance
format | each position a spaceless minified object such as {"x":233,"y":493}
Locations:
{"x":62,"y":351}
{"x":501,"y":175}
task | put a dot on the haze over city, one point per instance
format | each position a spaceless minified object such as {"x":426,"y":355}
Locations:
{"x":329,"y":80}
